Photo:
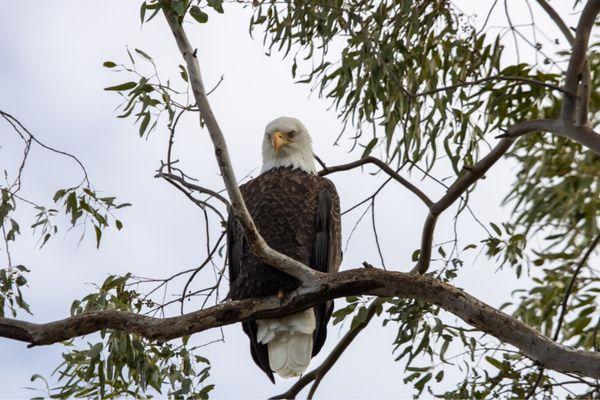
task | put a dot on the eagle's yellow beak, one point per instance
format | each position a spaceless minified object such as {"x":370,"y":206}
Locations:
{"x":278,"y":140}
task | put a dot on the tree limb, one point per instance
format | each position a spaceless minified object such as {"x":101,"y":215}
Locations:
{"x":557,"y":20}
{"x":369,"y":281}
{"x":256,"y":242}
{"x":383,"y":166}
{"x":578,"y":58}
{"x":461,"y":185}
{"x":581,"y":134}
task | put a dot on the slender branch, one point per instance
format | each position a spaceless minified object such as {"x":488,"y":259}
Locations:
{"x":508,"y":78}
{"x":16,"y":124}
{"x":317,"y":374}
{"x":557,"y":20}
{"x":206,"y":261}
{"x":194,"y":187}
{"x":258,"y":245}
{"x":385,"y":168}
{"x":363,"y":281}
{"x":426,"y":244}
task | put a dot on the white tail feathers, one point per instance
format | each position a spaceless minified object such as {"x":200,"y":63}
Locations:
{"x":289,"y":340}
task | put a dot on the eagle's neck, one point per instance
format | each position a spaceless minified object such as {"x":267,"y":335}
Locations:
{"x":303,"y":160}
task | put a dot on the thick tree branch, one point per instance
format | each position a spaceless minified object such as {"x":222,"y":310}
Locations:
{"x":370,"y":281}
{"x":578,"y":58}
{"x":258,"y":245}
{"x":584,"y":88}
{"x":583,"y":134}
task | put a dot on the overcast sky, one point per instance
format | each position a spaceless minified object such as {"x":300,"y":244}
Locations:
{"x":51,"y":79}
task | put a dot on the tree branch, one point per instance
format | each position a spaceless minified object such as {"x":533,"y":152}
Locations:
{"x":583,"y":135}
{"x":383,"y":166}
{"x":260,"y":248}
{"x":508,"y":78}
{"x":369,"y":281}
{"x":454,"y":192}
{"x":194,"y":187}
{"x":578,"y":58}
{"x":557,"y":20}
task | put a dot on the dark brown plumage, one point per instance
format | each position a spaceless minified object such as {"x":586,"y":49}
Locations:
{"x":298,"y":214}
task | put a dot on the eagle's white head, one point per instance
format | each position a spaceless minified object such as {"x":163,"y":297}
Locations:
{"x":286,"y":143}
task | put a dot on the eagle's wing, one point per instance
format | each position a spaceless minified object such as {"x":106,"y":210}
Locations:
{"x":326,"y":252}
{"x":236,"y":248}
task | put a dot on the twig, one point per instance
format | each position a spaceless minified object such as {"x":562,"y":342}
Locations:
{"x":206,"y":261}
{"x":193,"y":187}
{"x":385,"y":168}
{"x":317,"y":374}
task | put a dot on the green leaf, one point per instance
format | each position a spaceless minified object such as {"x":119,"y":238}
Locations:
{"x":183,"y":73}
{"x":494,"y":362}
{"x":109,"y":64}
{"x":369,"y":147}
{"x":496,"y":229}
{"x":121,"y":87}
{"x":144,"y":123}
{"x":98,"y":235}
{"x":143,"y":54}
{"x":217,"y":5}
{"x":198,"y":14}
{"x":179,"y":7}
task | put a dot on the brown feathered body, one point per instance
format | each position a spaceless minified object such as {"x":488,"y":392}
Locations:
{"x":298,"y":214}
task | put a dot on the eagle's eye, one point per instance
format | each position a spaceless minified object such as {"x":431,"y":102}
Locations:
{"x":291,"y":134}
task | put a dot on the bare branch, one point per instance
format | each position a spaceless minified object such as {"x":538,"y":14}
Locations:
{"x":193,"y":187}
{"x":385,"y":168}
{"x":19,"y":127}
{"x":370,"y":281}
{"x":557,"y":20}
{"x":258,"y":245}
{"x":507,"y":78}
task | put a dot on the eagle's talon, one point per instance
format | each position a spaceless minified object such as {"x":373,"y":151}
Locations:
{"x":280,"y":295}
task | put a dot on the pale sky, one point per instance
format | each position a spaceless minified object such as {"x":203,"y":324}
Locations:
{"x":51,"y":79}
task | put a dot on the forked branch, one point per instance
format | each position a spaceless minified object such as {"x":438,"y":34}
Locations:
{"x":256,"y":242}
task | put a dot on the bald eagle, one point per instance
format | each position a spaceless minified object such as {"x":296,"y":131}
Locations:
{"x":297,"y":212}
